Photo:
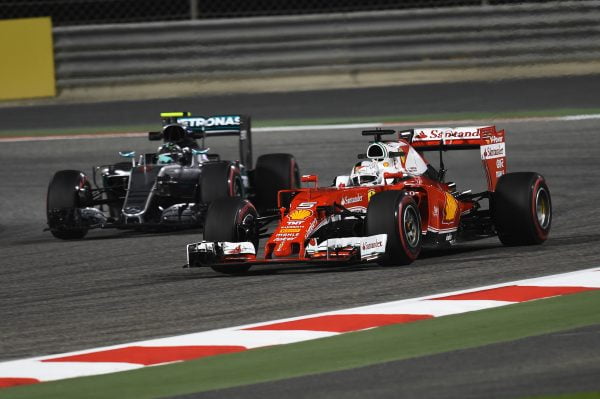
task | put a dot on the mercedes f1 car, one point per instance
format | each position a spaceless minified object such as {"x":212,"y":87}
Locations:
{"x":391,"y":205}
{"x":171,"y":188}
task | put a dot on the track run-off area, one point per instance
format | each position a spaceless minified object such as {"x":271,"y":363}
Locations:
{"x":115,"y":287}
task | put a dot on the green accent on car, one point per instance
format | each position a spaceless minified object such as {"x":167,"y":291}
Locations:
{"x":341,"y":352}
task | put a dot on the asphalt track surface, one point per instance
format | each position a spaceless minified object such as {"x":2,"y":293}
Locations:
{"x":115,"y":287}
{"x":493,"y":97}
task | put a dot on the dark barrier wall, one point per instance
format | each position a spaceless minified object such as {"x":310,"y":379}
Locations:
{"x":84,"y":12}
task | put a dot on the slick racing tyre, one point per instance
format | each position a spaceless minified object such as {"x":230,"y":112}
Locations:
{"x":274,"y":172}
{"x":68,"y":191}
{"x":220,"y":180}
{"x":396,"y":214}
{"x":235,"y":220}
{"x":522,"y":209}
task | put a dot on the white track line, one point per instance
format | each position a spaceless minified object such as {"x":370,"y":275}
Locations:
{"x":310,"y":127}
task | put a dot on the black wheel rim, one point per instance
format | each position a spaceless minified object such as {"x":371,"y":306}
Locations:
{"x":410,"y":226}
{"x":247,"y":229}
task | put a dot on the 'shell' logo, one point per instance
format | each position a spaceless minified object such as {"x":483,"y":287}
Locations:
{"x":370,"y":194}
{"x":299,"y":214}
{"x":450,"y":208}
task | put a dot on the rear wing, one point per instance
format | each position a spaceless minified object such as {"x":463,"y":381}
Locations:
{"x":201,"y":127}
{"x":487,"y":139}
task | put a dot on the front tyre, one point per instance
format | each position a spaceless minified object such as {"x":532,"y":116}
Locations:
{"x":396,"y":214}
{"x":234,"y":220}
{"x":522,"y":209}
{"x":68,"y":190}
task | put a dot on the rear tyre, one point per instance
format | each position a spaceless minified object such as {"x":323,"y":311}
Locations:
{"x":522,"y":209}
{"x":274,"y":172}
{"x":396,"y":214}
{"x":220,"y":180}
{"x":234,"y":220}
{"x":68,"y":190}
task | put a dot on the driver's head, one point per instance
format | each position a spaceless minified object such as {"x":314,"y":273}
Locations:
{"x":365,"y":173}
{"x":169,"y":153}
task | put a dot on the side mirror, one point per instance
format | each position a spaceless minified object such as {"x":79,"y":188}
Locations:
{"x":310,"y":179}
{"x":127,"y":154}
{"x":155,"y":136}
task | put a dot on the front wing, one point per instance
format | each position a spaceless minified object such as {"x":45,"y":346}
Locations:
{"x":346,"y":249}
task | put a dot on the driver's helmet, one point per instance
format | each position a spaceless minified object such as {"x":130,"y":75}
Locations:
{"x":169,"y":153}
{"x":365,"y":173}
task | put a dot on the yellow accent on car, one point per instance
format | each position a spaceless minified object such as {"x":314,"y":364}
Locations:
{"x":174,"y":114}
{"x":290,"y":230}
{"x":299,"y":214}
{"x":370,"y":194}
{"x":450,"y":208}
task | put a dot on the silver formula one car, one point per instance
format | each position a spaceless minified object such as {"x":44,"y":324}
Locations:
{"x":172,"y":187}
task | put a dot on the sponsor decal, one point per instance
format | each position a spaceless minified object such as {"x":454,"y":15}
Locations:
{"x":499,"y":173}
{"x":283,"y":239}
{"x":290,"y":230}
{"x":286,"y":235}
{"x":352,"y":200}
{"x":448,"y":134}
{"x":299,"y":214}
{"x":311,"y":227}
{"x":294,"y":223}
{"x":491,"y":151}
{"x":227,"y":120}
{"x":370,"y":194}
{"x":372,"y":245}
{"x":436,"y":211}
{"x":235,"y":250}
{"x":450,"y":208}
{"x":500,"y":163}
{"x":230,"y":248}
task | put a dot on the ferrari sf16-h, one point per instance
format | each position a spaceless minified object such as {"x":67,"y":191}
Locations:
{"x":391,"y":204}
{"x":172,"y":187}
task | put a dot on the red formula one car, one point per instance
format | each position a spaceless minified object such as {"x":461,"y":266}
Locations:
{"x":391,"y":204}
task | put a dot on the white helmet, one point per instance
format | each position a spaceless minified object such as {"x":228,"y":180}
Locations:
{"x":365,"y":173}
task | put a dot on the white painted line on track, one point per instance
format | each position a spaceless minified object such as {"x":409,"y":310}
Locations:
{"x":580,"y":117}
{"x":135,"y":355}
{"x":297,"y":128}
